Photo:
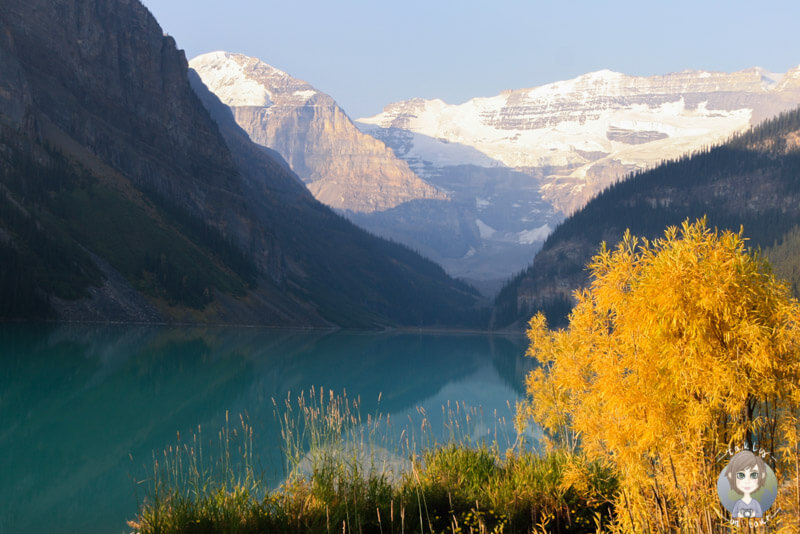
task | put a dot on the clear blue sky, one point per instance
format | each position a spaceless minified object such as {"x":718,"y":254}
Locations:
{"x":370,"y":53}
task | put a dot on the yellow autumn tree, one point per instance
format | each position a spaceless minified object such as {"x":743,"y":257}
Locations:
{"x":680,"y":348}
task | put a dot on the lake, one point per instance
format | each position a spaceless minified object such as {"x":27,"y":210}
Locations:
{"x":83,"y":409}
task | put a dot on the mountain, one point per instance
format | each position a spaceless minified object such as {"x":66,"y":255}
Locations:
{"x":517,"y":163}
{"x":343,"y":168}
{"x":128,"y":193}
{"x":586,"y":132}
{"x":358,"y":175}
{"x":753,"y":181}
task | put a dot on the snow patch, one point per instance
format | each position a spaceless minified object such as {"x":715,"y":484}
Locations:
{"x":485,"y":230}
{"x":305,"y":95}
{"x":528,"y":237}
{"x":549,"y":125}
{"x":226,"y":78}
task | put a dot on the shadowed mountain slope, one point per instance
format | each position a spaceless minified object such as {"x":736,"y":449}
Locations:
{"x":122,"y":199}
{"x":753,"y":181}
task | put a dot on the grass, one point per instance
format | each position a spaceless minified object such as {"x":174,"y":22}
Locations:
{"x":344,"y":475}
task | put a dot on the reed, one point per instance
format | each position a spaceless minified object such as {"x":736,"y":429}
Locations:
{"x":346,"y":472}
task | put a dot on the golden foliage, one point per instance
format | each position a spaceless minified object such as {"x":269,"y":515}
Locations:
{"x":680,"y":348}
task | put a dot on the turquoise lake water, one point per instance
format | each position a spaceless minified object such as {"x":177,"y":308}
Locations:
{"x":83,"y":409}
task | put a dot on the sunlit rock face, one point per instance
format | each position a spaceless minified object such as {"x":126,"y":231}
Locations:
{"x":479,"y":186}
{"x":128,"y":193}
{"x":580,"y":135}
{"x":341,"y":166}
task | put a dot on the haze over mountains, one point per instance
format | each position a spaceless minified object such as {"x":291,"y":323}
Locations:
{"x":511,"y":166}
{"x":341,"y":166}
{"x":581,"y":135}
{"x":750,"y":182}
{"x":128,"y":193}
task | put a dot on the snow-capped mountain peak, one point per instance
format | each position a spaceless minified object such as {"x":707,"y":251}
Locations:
{"x":341,"y":166}
{"x":501,"y":170}
{"x":239,"y":80}
{"x":235,"y":87}
{"x":590,"y":130}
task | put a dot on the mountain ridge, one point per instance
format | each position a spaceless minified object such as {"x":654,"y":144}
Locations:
{"x":515,"y":164}
{"x":752,"y":180}
{"x":589,"y":130}
{"x":342,"y":167}
{"x":570,"y":139}
{"x":124,"y":200}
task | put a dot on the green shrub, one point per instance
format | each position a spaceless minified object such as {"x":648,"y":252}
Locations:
{"x":336,"y":483}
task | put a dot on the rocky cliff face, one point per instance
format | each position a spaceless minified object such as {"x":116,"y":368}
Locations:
{"x":471,"y":236}
{"x":342,"y":167}
{"x":15,"y":93}
{"x":105,"y":75}
{"x":750,"y":182}
{"x":517,"y":163}
{"x":585,"y":133}
{"x":125,"y":194}
{"x":513,"y":165}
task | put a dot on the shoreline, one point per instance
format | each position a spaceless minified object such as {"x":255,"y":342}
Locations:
{"x":319,"y":329}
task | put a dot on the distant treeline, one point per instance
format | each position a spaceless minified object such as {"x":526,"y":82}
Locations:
{"x":432,"y":301}
{"x":751,"y":181}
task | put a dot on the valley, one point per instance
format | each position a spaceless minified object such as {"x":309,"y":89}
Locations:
{"x":486,"y":181}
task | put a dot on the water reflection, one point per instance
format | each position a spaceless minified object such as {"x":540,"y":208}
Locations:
{"x":83,"y":408}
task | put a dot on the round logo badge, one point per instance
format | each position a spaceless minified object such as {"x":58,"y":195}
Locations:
{"x":747,"y":486}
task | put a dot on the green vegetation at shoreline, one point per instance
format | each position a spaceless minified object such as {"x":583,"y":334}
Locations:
{"x":682,"y":350}
{"x":343,"y":478}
